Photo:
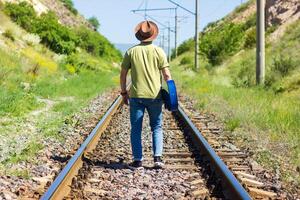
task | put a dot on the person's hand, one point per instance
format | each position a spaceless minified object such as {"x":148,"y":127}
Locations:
{"x":125,"y":97}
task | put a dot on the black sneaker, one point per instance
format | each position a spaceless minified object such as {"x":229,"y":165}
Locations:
{"x":158,"y":163}
{"x":135,"y":165}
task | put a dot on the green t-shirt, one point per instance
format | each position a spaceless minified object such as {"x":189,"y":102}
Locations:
{"x":145,"y":62}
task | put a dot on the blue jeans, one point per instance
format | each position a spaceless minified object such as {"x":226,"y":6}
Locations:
{"x":137,"y":110}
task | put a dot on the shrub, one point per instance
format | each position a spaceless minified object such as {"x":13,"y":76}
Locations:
{"x":232,"y":124}
{"x":186,"y":46}
{"x":70,"y":69}
{"x":280,"y":68}
{"x":271,"y":78}
{"x":70,"y":5}
{"x":221,"y":42}
{"x":57,"y":37}
{"x":96,"y":44}
{"x":31,"y":39}
{"x":186,"y":60}
{"x":271,"y":29}
{"x":9,"y":34}
{"x":94,"y":22}
{"x":39,"y":60}
{"x":283,"y":65}
{"x":250,"y":38}
{"x":22,"y":13}
{"x":245,"y":76}
{"x":251,"y":22}
{"x":211,"y":25}
{"x":79,"y":62}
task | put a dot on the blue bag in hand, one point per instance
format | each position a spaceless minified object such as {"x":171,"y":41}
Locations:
{"x":170,"y":97}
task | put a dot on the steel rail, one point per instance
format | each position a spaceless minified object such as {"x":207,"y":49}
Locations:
{"x":61,"y":185}
{"x":236,"y":190}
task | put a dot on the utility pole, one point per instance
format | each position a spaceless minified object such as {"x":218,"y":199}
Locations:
{"x":176,"y":31}
{"x":163,"y":40}
{"x":169,"y":42}
{"x":196,"y":14}
{"x":260,"y":42}
{"x":196,"y":35}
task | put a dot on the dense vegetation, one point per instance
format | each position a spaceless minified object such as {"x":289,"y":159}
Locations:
{"x":264,"y":119}
{"x":59,"y":38}
{"x":222,"y":39}
{"x":222,"y":42}
{"x":48,"y":72}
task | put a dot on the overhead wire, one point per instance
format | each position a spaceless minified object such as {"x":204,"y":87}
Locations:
{"x":142,"y":3}
{"x":146,"y":6}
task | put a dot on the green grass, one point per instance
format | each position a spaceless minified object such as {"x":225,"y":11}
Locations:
{"x":14,"y":99}
{"x":33,"y":78}
{"x":232,"y":123}
{"x":266,"y":118}
{"x":26,"y":154}
{"x":69,"y":92}
{"x":19,"y":173}
{"x":21,"y":90}
{"x":265,"y":115}
{"x":83,"y":86}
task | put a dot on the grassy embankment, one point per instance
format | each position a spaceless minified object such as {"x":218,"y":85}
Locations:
{"x":264,"y":119}
{"x":45,"y":77}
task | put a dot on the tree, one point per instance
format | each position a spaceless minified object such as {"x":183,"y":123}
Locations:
{"x":95,"y":23}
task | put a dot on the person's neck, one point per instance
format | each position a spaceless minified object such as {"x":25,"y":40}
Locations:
{"x":146,"y":43}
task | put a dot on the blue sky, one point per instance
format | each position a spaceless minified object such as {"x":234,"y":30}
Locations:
{"x":118,"y":22}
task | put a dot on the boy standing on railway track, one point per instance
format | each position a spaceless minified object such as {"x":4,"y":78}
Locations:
{"x":146,"y":62}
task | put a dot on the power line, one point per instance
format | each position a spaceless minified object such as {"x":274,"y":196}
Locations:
{"x":163,"y":25}
{"x":196,"y":14}
{"x":187,"y":10}
{"x":142,"y":3}
{"x":146,"y":5}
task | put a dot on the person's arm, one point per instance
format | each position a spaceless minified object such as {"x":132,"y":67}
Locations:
{"x":123,"y":80}
{"x":123,"y":77}
{"x":164,"y":65}
{"x":166,"y":74}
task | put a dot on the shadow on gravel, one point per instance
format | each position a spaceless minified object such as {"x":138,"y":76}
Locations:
{"x":114,"y":164}
{"x":61,"y":159}
{"x":105,"y":164}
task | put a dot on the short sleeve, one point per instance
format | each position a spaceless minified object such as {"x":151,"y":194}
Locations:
{"x":163,"y":61}
{"x":126,"y":64}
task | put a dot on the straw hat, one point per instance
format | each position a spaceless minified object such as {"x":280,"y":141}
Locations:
{"x":146,"y":31}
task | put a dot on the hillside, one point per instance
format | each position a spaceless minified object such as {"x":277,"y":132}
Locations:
{"x":264,"y":120}
{"x":52,"y":65}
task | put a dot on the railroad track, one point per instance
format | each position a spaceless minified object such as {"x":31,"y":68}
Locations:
{"x":194,"y":163}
